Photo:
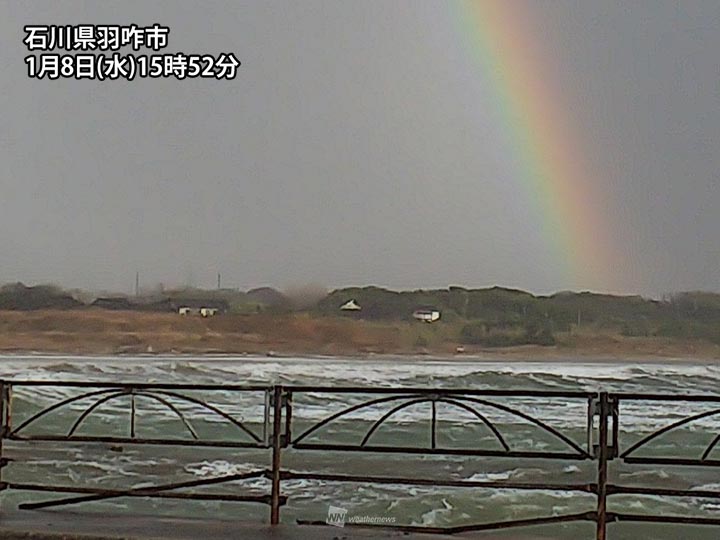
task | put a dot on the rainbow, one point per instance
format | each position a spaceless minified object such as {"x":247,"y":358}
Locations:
{"x":547,"y":147}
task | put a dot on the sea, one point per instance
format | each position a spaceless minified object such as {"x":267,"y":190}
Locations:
{"x":134,"y":466}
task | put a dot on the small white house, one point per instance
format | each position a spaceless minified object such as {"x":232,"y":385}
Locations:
{"x":202,"y":311}
{"x":426,"y":315}
{"x":351,"y":305}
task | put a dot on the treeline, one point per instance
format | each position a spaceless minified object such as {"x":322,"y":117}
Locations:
{"x":497,"y":305}
{"x":491,"y":317}
{"x":19,"y":297}
{"x":499,"y":316}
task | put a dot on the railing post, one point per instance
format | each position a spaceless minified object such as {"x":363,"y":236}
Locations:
{"x":601,"y":517}
{"x":4,"y":415}
{"x":277,"y":442}
{"x":287,"y":436}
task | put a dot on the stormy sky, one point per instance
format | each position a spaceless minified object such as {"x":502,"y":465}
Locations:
{"x":358,"y":145}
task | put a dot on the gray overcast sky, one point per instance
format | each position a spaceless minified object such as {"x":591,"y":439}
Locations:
{"x":358,"y":145}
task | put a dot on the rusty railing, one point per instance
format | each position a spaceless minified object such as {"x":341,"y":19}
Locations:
{"x":280,"y":428}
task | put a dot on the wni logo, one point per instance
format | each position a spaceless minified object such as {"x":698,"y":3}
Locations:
{"x":336,"y":516}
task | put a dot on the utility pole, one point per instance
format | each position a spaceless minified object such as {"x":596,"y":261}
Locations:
{"x":218,"y":281}
{"x":137,"y":283}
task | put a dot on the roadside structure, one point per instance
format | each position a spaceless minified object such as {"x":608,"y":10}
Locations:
{"x":201,"y":307}
{"x":428,"y":315}
{"x":351,"y":305}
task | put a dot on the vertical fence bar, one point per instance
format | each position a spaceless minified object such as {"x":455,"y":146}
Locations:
{"x":5,"y":426}
{"x":433,"y":426}
{"x":601,"y":517}
{"x":266,"y":418}
{"x":7,"y":422}
{"x":591,"y":426}
{"x":615,"y":412}
{"x":277,"y":447}
{"x":3,"y":405}
{"x":132,"y":415}
{"x":288,"y":419}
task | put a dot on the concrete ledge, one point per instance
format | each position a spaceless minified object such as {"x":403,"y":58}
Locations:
{"x":54,"y":525}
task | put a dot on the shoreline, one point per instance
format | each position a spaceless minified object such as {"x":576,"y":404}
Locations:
{"x":488,"y":357}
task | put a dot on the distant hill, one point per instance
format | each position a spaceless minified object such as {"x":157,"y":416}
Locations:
{"x":17,"y":296}
{"x":494,"y":316}
{"x":495,"y":303}
{"x":268,"y":296}
{"x":491,"y":312}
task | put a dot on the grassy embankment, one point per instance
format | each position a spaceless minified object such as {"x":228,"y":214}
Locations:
{"x":46,"y":318}
{"x":129,"y":332}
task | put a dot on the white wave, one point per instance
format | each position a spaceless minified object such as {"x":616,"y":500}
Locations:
{"x":491,"y":477}
{"x":219,"y":468}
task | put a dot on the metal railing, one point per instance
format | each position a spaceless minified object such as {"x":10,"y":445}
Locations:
{"x":278,"y":427}
{"x":92,"y":396}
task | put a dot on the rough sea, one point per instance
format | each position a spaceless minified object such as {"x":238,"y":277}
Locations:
{"x":127,"y":465}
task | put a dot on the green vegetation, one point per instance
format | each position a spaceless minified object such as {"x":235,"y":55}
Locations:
{"x":499,"y":317}
{"x":16,"y":296}
{"x":491,"y":317}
